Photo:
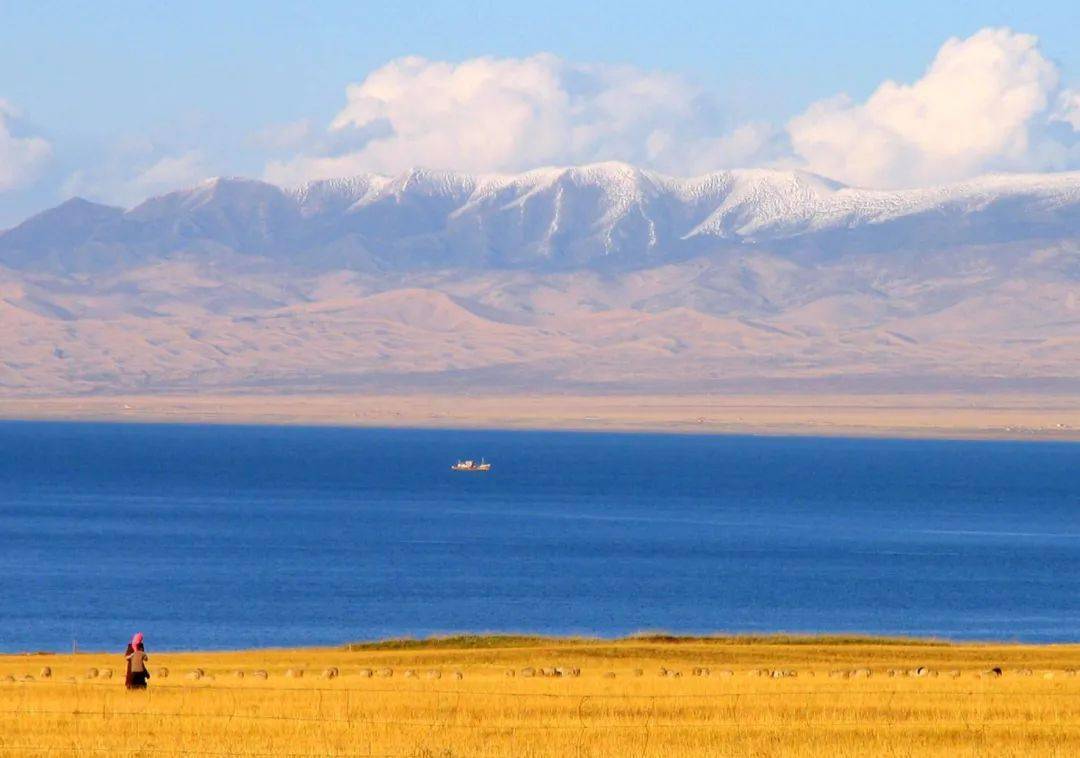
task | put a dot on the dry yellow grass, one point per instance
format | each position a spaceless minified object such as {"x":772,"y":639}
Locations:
{"x":610,"y":709}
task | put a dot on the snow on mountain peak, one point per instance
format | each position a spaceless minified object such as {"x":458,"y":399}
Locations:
{"x":603,"y":214}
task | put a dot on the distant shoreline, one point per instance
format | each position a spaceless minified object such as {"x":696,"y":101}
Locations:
{"x":929,"y":416}
{"x":526,"y":641}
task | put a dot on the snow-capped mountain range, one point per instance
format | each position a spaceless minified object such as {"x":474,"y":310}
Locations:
{"x":606,"y":215}
{"x":596,"y":278}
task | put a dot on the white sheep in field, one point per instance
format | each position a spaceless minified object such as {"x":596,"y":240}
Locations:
{"x":331,"y":673}
{"x":366,"y":673}
{"x":45,"y":672}
{"x":162,"y":673}
{"x":260,"y":674}
{"x":385,"y":673}
{"x":295,"y":673}
{"x":91,"y":673}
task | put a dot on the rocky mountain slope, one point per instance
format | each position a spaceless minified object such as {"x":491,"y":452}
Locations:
{"x":597,"y":278}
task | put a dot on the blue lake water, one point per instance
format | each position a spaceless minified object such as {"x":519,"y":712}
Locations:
{"x":211,"y":537}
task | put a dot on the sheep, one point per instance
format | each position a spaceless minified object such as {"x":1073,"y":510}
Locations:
{"x":295,"y":674}
{"x":725,"y":673}
{"x":1024,"y":672}
{"x":511,"y":672}
{"x":366,"y":673}
{"x":385,"y":673}
{"x":549,"y":672}
{"x":862,"y":673}
{"x":45,"y":672}
{"x":700,"y":671}
{"x":106,"y":673}
{"x":9,"y":678}
{"x":994,"y":672}
{"x":458,"y":675}
{"x":195,"y":674}
{"x":920,"y":671}
{"x":91,"y":673}
{"x":433,"y":674}
{"x":239,"y":674}
{"x":162,"y":673}
{"x":528,"y":671}
{"x":330,"y":673}
{"x":609,"y":675}
{"x":260,"y":674}
{"x":410,"y":674}
{"x":638,"y":672}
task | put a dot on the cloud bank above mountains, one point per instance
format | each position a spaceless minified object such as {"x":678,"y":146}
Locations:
{"x":990,"y":102}
{"x":513,"y":114}
{"x":987,"y":103}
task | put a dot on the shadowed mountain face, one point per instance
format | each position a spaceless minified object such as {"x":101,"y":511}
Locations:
{"x":597,"y":278}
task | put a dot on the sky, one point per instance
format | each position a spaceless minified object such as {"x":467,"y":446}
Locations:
{"x":118,"y":101}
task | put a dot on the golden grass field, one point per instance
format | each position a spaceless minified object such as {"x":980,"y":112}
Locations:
{"x":620,"y":704}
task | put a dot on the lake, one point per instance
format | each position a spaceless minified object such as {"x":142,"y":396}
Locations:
{"x":224,"y":537}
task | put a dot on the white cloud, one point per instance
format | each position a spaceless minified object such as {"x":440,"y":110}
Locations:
{"x":1068,"y":109}
{"x":510,"y":114}
{"x":21,"y":157}
{"x":138,"y":171}
{"x":984,"y":104}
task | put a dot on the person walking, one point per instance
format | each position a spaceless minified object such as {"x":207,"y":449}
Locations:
{"x":137,"y":673}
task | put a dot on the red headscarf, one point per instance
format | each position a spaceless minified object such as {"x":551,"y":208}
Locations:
{"x":136,"y":639}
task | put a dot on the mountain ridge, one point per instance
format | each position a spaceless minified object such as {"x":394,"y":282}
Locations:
{"x":595,"y":279}
{"x":604,"y":216}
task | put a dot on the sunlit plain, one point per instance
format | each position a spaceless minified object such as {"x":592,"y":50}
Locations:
{"x":543,"y":697}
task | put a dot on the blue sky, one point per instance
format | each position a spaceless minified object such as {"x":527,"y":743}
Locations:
{"x":98,"y":93}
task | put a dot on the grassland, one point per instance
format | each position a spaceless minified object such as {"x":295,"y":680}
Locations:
{"x":456,"y":697}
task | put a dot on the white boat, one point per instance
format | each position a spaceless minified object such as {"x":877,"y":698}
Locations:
{"x":471,"y":465}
